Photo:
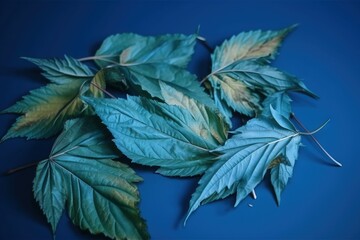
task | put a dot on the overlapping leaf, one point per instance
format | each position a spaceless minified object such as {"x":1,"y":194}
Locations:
{"x":157,"y":134}
{"x":280,"y":101}
{"x":281,"y":168}
{"x":208,"y":122}
{"x":146,"y":61}
{"x":62,"y":71}
{"x":99,"y":193}
{"x":45,"y":110}
{"x":240,"y":75}
{"x":245,"y":158}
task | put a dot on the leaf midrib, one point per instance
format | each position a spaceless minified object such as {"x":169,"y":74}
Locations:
{"x":165,"y":134}
{"x":256,"y":150}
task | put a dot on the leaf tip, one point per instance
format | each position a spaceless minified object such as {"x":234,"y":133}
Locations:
{"x":4,"y":138}
{"x":33,"y":60}
{"x":293,"y":26}
{"x":278,"y":201}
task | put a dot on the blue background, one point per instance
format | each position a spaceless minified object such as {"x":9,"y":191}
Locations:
{"x":321,"y":201}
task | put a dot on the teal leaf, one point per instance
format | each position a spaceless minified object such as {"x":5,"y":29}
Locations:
{"x":249,"y":45}
{"x":49,"y":192}
{"x":281,"y":167}
{"x":146,"y":61}
{"x":224,"y":109}
{"x":62,"y":71}
{"x":244,"y":160}
{"x":148,"y":77}
{"x":99,"y":193}
{"x":156,"y":134}
{"x":235,"y":95}
{"x":211,"y":122}
{"x":130,"y":49}
{"x":45,"y":110}
{"x":243,"y":82}
{"x":241,"y":76}
{"x":280,"y":101}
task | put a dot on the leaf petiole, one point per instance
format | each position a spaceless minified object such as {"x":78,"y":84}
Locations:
{"x":315,"y":140}
{"x":23,"y":167}
{"x":307,"y":133}
{"x":203,"y":41}
{"x":103,"y":90}
{"x":253,"y":193}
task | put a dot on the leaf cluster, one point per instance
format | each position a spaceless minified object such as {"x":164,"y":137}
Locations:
{"x":167,"y":120}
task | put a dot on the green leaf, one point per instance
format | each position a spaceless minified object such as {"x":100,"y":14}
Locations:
{"x":156,"y":134}
{"x":99,"y":193}
{"x":245,"y":158}
{"x":62,"y":71}
{"x":145,"y":62}
{"x":45,"y":110}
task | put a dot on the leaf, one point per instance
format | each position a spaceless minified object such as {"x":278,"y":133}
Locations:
{"x":145,"y":62}
{"x":99,"y":193}
{"x":45,"y":110}
{"x":212,"y":123}
{"x":236,"y":95}
{"x":249,"y":45}
{"x":245,"y":158}
{"x":156,"y":134}
{"x":132,"y":49}
{"x":280,"y":101}
{"x":243,"y":82}
{"x":62,"y":71}
{"x":240,"y":75}
{"x":282,"y":172}
{"x":281,"y":167}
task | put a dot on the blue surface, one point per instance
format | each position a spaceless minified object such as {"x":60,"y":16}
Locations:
{"x":321,"y":201}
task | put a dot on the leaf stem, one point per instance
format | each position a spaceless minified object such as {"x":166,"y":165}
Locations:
{"x":103,"y":90}
{"x":101,"y":57}
{"x":307,"y":133}
{"x":23,"y":167}
{"x":315,"y":140}
{"x":253,"y":193}
{"x":203,"y":41}
{"x":205,"y":78}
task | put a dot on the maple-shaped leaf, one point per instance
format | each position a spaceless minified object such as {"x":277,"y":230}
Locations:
{"x":157,"y":134}
{"x":245,"y":158}
{"x":146,"y":61}
{"x":45,"y":110}
{"x":100,"y":194}
{"x":241,"y":75}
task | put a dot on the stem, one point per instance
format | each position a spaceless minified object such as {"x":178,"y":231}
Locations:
{"x":316,"y":141}
{"x":26,"y":166}
{"x":205,"y":44}
{"x":103,"y":90}
{"x":205,"y":78}
{"x":307,"y":133}
{"x":102,"y":57}
{"x":253,"y":193}
{"x":210,"y":49}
